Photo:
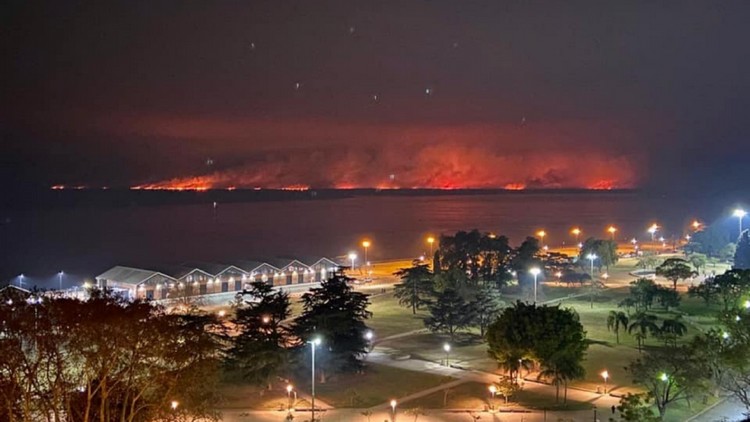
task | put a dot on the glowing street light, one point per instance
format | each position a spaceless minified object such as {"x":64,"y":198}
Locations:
{"x":664,"y":377}
{"x":541,"y":234}
{"x":447,"y":348}
{"x":576,"y":232}
{"x":493,"y":391}
{"x":369,"y":335}
{"x":612,"y":230}
{"x":696,"y":225}
{"x":20,"y":280}
{"x":352,"y":257}
{"x":652,"y":230}
{"x":740,"y":214}
{"x":60,"y":275}
{"x":393,"y":406}
{"x":431,"y":241}
{"x":175,"y":404}
{"x":591,"y":257}
{"x":535,"y":272}
{"x":313,"y":343}
{"x":366,"y":245}
{"x":605,"y":375}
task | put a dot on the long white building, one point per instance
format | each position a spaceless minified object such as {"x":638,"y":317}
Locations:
{"x":197,"y":278}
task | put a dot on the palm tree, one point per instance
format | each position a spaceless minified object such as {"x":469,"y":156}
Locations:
{"x":615,"y":320}
{"x":645,"y":324}
{"x":671,"y":329}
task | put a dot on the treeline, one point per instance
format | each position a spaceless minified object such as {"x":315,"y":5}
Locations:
{"x":108,"y":359}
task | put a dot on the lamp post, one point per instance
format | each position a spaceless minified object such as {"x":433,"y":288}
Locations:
{"x":447,"y":348}
{"x":174,"y":404}
{"x":368,"y":336}
{"x":591,"y":257}
{"x":605,"y":375}
{"x":541,"y":234}
{"x":740,"y":214}
{"x":612,"y":230}
{"x":366,"y":245}
{"x":393,"y":408}
{"x":352,"y":257}
{"x":576,"y":232}
{"x":313,"y":343}
{"x":431,"y":241}
{"x":20,"y":280}
{"x":535,"y":272}
{"x":60,"y":275}
{"x":652,"y":230}
{"x":493,"y":390}
{"x":289,"y":389}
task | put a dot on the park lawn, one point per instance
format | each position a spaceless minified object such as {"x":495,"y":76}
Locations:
{"x":378,"y":385}
{"x":679,"y":412}
{"x":475,"y":396}
{"x":390,"y":318}
{"x":245,"y":396}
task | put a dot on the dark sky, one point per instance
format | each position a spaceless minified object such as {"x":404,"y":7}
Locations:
{"x":391,"y":94}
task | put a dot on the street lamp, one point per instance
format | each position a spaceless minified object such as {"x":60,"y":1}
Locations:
{"x":612,"y":230}
{"x":664,"y":377}
{"x":20,"y":280}
{"x":696,"y":225}
{"x":352,"y":257}
{"x":369,"y":336}
{"x":430,"y":240}
{"x":493,"y":391}
{"x":605,"y":375}
{"x":60,"y":275}
{"x":315,"y":342}
{"x":175,"y":404}
{"x":652,"y":230}
{"x":366,"y":245}
{"x":535,"y":272}
{"x":740,"y":214}
{"x":576,"y":232}
{"x":541,"y":234}
{"x":393,"y":407}
{"x":447,"y":348}
{"x":591,"y":257}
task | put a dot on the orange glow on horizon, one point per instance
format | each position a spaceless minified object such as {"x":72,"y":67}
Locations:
{"x":514,"y":186}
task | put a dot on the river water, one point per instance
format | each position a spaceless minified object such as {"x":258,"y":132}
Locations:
{"x":83,"y":241}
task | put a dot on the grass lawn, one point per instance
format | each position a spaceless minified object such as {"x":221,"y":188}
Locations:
{"x":475,"y":396}
{"x":378,"y":385}
{"x":243,"y":396}
{"x":389,"y":318}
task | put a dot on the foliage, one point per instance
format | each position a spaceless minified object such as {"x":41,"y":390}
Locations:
{"x":570,"y":276}
{"x":670,"y":376}
{"x":643,"y":324}
{"x":507,"y":388}
{"x":106,"y":359}
{"x":416,"y":287}
{"x":666,"y":297}
{"x":450,"y":313}
{"x":551,"y":336}
{"x":671,"y":330}
{"x":260,"y":349}
{"x":698,"y":260}
{"x":615,"y":321}
{"x":648,"y":260}
{"x":486,"y":307}
{"x":742,"y":253}
{"x":636,"y":408}
{"x":731,"y":286}
{"x":483,"y":257}
{"x":642,"y":293}
{"x":604,"y":249}
{"x":526,"y":256}
{"x":710,"y":241}
{"x":675,"y":269}
{"x":706,"y":290}
{"x":335,"y":314}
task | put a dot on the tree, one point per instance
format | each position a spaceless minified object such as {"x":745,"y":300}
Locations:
{"x":482,"y":257}
{"x":551,"y":336}
{"x":416,"y":287}
{"x":106,"y":359}
{"x":671,"y":329}
{"x":670,"y":376}
{"x":450,"y":313}
{"x":698,"y":260}
{"x":642,"y":293}
{"x":710,"y":241}
{"x":742,"y":253}
{"x":706,"y":290}
{"x":416,"y":412}
{"x":636,"y":408}
{"x":666,"y":297}
{"x":731,"y":286}
{"x":615,"y":321}
{"x":507,"y":388}
{"x":648,"y":261}
{"x":605,"y":251}
{"x":260,"y":351}
{"x":486,"y":307}
{"x":336,"y":314}
{"x":643,"y":324}
{"x":675,"y":269}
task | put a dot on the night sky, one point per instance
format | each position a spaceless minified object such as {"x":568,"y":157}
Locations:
{"x":376,"y":94}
